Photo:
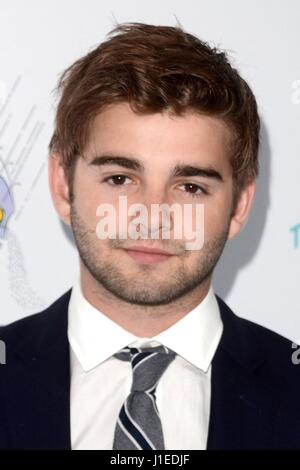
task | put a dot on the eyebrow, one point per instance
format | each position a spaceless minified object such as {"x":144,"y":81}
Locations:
{"x":134,"y":164}
{"x":191,"y":170}
{"x":129,"y":163}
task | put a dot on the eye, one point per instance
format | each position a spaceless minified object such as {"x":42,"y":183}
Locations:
{"x":194,"y":189}
{"x":117,"y":180}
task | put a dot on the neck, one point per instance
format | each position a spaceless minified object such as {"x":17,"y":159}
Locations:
{"x":153,"y":320}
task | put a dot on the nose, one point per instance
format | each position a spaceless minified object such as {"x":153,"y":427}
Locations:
{"x":156,"y":219}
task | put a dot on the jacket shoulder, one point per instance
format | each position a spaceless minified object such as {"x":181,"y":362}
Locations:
{"x":249,"y":341}
{"x":35,"y":324}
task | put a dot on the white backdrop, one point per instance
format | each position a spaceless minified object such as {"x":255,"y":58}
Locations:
{"x":258,"y":274}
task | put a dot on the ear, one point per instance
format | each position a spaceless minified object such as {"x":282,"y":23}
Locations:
{"x":242,"y":210}
{"x":59,"y":188}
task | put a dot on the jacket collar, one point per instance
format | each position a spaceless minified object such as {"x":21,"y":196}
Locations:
{"x":52,"y":326}
{"x":239,"y":339}
{"x":242,"y":414}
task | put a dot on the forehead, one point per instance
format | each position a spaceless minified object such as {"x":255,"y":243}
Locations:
{"x":160,"y":137}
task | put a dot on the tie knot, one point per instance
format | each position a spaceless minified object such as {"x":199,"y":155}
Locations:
{"x":148,"y":364}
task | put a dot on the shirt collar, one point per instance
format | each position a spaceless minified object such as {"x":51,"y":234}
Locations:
{"x":94,"y":337}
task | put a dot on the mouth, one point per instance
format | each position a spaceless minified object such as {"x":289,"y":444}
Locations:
{"x":148,"y":255}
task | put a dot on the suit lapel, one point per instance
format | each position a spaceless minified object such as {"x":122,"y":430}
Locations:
{"x":242,"y":415}
{"x":38,"y":384}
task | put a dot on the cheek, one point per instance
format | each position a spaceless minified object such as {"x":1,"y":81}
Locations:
{"x":86,"y":212}
{"x":88,"y":196}
{"x":216,"y":217}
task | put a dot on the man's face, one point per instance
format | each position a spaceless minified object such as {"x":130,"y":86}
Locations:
{"x":159,"y":144}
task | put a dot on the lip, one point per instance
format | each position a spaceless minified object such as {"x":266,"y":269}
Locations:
{"x":144,"y":249}
{"x":147,"y":255}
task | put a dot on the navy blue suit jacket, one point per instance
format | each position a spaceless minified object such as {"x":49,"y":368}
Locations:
{"x":255,"y":394}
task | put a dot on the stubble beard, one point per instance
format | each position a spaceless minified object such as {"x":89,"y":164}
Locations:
{"x":146,"y":288}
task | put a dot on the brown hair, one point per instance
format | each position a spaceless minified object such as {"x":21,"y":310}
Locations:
{"x":156,"y":68}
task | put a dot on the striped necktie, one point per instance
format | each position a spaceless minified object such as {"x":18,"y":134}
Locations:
{"x":139,"y":424}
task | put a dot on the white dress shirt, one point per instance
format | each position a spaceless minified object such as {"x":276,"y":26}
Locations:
{"x":100,"y":383}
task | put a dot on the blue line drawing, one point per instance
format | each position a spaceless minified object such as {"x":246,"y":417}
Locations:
{"x":6,"y":206}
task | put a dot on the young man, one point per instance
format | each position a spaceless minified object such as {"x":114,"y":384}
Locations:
{"x":140,"y":353}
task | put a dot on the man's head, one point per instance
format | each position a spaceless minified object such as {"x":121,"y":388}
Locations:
{"x":158,"y":116}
